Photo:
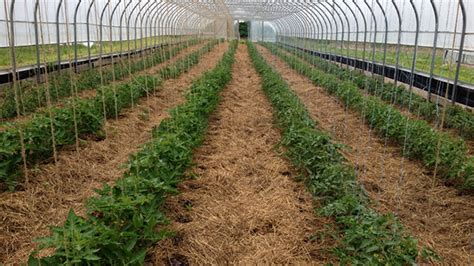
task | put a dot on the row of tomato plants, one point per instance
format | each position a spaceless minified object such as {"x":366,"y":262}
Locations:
{"x":456,"y":117}
{"x":85,"y":115}
{"x":437,"y":150}
{"x":364,"y":236}
{"x":59,"y":86}
{"x":123,"y":221}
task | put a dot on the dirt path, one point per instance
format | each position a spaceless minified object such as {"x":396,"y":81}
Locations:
{"x":244,"y":206}
{"x":55,"y":188}
{"x":434,"y":213}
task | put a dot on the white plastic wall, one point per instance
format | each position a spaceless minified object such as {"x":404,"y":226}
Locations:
{"x":24,"y":18}
{"x":269,"y":33}
{"x":450,"y":22}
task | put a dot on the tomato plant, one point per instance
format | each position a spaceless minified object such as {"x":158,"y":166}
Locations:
{"x":419,"y":139}
{"x":458,"y":118}
{"x":366,"y":237}
{"x":34,"y":96}
{"x":121,"y":221}
{"x":89,"y":117}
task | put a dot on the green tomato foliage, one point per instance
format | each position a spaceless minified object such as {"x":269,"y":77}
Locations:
{"x":123,"y":221}
{"x":88,"y":113}
{"x":446,"y":153}
{"x":33,"y":96}
{"x":366,"y":237}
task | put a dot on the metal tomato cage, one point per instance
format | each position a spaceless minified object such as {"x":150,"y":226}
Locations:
{"x":353,"y":33}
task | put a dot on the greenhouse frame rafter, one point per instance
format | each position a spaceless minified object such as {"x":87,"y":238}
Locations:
{"x":209,"y":132}
{"x":348,"y":27}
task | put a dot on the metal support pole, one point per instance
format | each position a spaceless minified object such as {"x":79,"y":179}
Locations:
{"x":128,"y":27}
{"x":37,"y":47}
{"x":332,"y":32}
{"x":384,"y":60}
{"x":313,"y":22}
{"x":357,"y":31}
{"x":100,"y":30}
{"x":111,"y":32}
{"x":319,"y":15}
{"x":151,"y":12}
{"x":415,"y":51}
{"x":120,"y":26}
{"x":337,"y":31}
{"x":433,"y":51}
{"x":58,"y":39}
{"x":88,"y":33}
{"x":12,"y":42}
{"x":348,"y":31}
{"x":139,"y":16}
{"x":75,"y":34}
{"x":321,"y":27}
{"x":399,"y":37}
{"x":461,"y":50}
{"x":365,"y":33}
{"x":157,"y":21}
{"x":372,"y":68}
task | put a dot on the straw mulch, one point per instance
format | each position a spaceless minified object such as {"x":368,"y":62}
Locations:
{"x":438,"y":215}
{"x":55,"y":188}
{"x":243,"y":205}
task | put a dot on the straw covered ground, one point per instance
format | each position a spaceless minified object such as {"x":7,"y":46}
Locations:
{"x":242,"y":201}
{"x":55,"y":188}
{"x":243,"y":206}
{"x":437,"y":215}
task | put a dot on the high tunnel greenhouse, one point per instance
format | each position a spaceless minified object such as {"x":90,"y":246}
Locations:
{"x":178,"y":132}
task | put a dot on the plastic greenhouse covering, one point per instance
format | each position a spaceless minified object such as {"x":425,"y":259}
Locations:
{"x":217,"y":132}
